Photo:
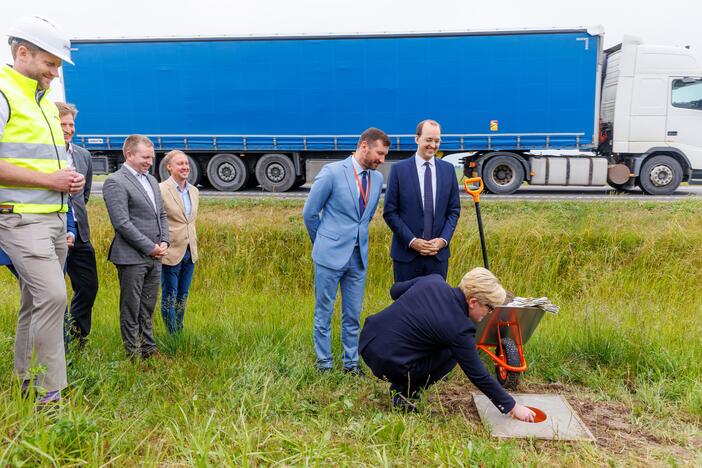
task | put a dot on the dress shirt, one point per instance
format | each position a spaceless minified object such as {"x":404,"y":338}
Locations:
{"x":185,"y":196}
{"x":144,"y":181}
{"x":421,"y":169}
{"x":360,"y":169}
{"x":69,"y":156}
{"x":71,"y":163}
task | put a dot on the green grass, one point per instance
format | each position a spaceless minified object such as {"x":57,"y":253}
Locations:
{"x":240,"y":386}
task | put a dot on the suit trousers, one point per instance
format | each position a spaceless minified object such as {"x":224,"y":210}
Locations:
{"x":352,"y":279}
{"x":424,"y":374}
{"x":137,"y":301}
{"x":36,"y":244}
{"x":420,"y":266}
{"x":82,"y":270}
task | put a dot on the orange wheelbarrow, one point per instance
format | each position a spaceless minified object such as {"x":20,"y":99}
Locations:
{"x":502,"y":334}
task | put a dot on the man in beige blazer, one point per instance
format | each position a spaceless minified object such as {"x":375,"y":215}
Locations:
{"x":181,"y":200}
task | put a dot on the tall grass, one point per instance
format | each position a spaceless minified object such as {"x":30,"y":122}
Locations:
{"x":239,"y":387}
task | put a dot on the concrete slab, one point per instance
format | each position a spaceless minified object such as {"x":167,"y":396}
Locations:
{"x":562,"y":423}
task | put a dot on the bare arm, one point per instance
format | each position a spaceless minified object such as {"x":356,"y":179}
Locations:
{"x":65,"y":180}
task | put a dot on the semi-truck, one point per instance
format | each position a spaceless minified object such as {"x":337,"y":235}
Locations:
{"x":543,"y":107}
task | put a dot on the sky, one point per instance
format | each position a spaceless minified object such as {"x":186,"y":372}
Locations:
{"x":663,"y":23}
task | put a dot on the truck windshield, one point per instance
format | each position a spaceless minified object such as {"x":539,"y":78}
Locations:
{"x":687,"y":95}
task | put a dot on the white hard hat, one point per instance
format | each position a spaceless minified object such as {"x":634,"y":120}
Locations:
{"x":43,"y":34}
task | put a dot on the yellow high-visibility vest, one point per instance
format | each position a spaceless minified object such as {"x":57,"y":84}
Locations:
{"x":32,"y":139}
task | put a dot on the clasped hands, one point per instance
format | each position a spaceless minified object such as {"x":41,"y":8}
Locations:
{"x":159,"y":250}
{"x":428,"y":247}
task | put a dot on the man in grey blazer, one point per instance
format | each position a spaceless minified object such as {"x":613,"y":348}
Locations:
{"x":134,"y":203}
{"x":80,"y":263}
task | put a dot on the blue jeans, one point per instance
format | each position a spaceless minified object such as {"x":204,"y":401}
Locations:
{"x":352,"y":279}
{"x":175,"y":284}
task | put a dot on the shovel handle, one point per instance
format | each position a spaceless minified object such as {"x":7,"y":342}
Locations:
{"x":475,"y":193}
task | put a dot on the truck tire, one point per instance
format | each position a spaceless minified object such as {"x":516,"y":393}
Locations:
{"x":275,"y":172}
{"x":227,"y":172}
{"x":194,"y":178}
{"x":502,"y":174}
{"x":660,"y":175}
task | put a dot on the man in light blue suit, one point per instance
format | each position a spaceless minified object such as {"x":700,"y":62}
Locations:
{"x":341,"y":203}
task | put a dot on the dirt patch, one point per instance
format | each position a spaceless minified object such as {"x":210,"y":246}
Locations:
{"x":611,"y":423}
{"x":454,"y":398}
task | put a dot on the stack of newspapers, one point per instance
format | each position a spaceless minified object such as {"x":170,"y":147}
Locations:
{"x":540,"y":302}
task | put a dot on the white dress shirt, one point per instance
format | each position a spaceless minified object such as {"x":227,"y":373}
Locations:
{"x":69,"y":156}
{"x":421,"y":169}
{"x":144,"y":181}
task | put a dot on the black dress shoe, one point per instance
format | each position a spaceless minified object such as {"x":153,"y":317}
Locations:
{"x":324,"y":370}
{"x":355,"y":371}
{"x":402,"y":403}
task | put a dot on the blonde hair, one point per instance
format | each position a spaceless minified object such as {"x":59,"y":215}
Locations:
{"x":66,"y":108}
{"x":170,"y":155}
{"x":133,"y":141}
{"x":484,"y":286}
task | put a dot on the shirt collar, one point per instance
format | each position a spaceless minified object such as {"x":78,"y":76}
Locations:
{"x":356,"y":165}
{"x":420,"y":161}
{"x":185,"y":190}
{"x":134,"y":171}
{"x":69,"y":150}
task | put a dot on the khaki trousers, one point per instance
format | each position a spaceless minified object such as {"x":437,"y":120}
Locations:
{"x":36,"y":244}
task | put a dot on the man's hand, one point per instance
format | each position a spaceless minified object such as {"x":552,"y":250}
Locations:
{"x":424,"y":247}
{"x":70,"y":240}
{"x":159,"y":250}
{"x":66,"y":180}
{"x":438,"y":243}
{"x":77,"y":184}
{"x":522,"y":413}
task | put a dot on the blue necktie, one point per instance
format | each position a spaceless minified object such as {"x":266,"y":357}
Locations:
{"x":364,"y":184}
{"x":428,"y":203}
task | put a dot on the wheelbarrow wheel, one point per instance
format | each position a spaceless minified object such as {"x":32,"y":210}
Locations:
{"x":506,"y":378}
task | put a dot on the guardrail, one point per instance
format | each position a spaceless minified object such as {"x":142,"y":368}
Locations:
{"x":449,"y":142}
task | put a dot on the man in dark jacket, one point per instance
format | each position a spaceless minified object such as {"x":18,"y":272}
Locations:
{"x":430,"y":327}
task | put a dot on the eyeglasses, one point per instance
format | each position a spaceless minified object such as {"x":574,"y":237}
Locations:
{"x":490,"y":308}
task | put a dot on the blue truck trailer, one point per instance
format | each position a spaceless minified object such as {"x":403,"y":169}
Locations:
{"x":271,"y":111}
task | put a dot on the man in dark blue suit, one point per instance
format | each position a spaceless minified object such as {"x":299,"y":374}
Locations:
{"x":430,"y":327}
{"x":422,"y":208}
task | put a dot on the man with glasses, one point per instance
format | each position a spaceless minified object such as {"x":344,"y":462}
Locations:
{"x":430,"y":328}
{"x":422,"y":208}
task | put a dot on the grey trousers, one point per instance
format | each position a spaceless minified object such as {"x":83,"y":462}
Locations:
{"x":36,"y":244}
{"x":137,"y":300}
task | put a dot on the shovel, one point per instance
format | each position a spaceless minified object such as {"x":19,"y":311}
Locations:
{"x":475,"y":193}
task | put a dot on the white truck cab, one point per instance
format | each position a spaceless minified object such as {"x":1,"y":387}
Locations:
{"x":651,"y":116}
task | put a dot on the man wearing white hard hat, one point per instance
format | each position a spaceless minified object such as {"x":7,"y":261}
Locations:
{"x":34,"y":186}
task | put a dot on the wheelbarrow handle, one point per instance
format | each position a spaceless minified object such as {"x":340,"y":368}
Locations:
{"x":475,"y":193}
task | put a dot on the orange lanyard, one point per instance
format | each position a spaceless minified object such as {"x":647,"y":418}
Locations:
{"x":364,"y":193}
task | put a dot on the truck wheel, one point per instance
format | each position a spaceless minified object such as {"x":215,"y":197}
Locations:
{"x":195,"y":177}
{"x":502,"y":174}
{"x":508,"y":379}
{"x":660,"y":175}
{"x":227,"y":172}
{"x":275,"y":172}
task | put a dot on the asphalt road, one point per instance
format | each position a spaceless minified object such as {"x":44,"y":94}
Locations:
{"x":534,"y":193}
